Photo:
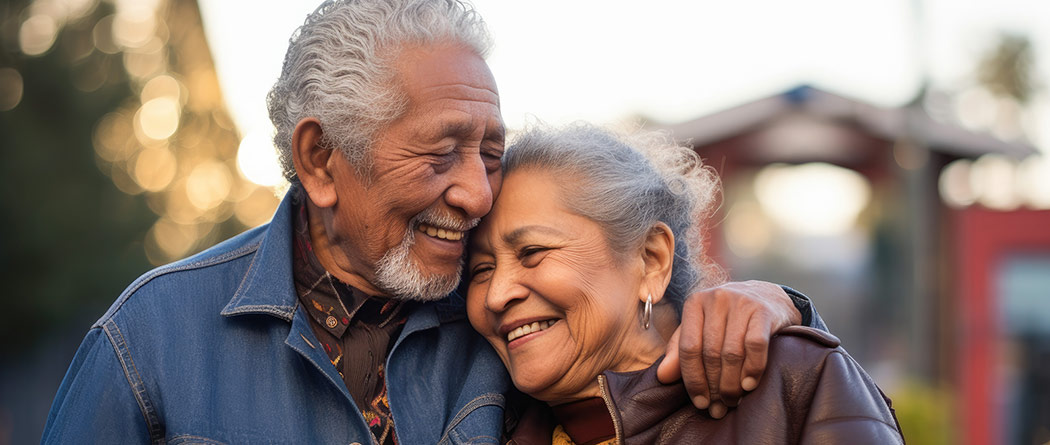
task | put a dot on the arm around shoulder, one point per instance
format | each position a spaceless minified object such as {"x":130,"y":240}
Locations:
{"x":95,"y":399}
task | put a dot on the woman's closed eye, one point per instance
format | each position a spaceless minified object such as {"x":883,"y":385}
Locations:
{"x":481,"y":272}
{"x":531,"y":255}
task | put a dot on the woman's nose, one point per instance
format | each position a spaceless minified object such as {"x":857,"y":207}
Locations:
{"x":505,"y":289}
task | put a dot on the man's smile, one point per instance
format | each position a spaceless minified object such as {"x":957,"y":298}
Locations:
{"x":441,"y":232}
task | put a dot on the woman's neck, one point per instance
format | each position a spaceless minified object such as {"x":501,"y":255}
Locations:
{"x":635,"y":354}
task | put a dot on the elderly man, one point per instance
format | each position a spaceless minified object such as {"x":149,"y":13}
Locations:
{"x":338,"y":322}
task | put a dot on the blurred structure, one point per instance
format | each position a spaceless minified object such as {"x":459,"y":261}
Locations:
{"x":923,"y":244}
{"x":119,"y":154}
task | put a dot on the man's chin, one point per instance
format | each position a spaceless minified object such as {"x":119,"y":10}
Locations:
{"x":420,"y":269}
{"x":429,"y":288}
{"x":404,"y":278}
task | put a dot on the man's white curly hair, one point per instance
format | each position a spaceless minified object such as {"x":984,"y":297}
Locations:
{"x":338,"y":68}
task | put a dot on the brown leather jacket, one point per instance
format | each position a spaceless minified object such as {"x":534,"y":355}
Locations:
{"x":812,"y":392}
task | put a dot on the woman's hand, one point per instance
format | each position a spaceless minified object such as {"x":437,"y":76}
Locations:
{"x":719,"y":350}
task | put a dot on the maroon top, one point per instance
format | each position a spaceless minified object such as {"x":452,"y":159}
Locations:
{"x":586,"y":421}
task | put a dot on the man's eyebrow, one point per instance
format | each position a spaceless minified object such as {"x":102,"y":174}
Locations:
{"x":496,"y":132}
{"x":456,"y":127}
{"x":515,"y":236}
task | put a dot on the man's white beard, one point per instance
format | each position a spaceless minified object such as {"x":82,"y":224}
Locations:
{"x":398,"y":275}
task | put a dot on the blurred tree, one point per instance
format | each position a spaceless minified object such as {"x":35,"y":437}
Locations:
{"x":120,"y":154}
{"x":69,"y":239}
{"x":1007,"y":70}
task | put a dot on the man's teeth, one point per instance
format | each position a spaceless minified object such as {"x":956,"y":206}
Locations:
{"x":535,"y":326}
{"x":451,"y":235}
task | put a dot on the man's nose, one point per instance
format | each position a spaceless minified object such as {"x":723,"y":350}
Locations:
{"x":471,"y":190}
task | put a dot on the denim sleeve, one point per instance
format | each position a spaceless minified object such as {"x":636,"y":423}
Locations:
{"x":95,"y":402}
{"x":810,"y":317}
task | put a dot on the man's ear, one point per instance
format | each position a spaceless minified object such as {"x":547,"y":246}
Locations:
{"x":658,"y":257}
{"x":310,"y":157}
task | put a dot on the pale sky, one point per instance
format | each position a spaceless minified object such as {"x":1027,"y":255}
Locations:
{"x":672,"y":60}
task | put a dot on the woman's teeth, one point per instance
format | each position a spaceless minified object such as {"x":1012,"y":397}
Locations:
{"x":535,"y":326}
{"x":447,"y":234}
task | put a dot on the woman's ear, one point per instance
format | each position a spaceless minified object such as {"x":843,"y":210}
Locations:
{"x":310,"y":157}
{"x":658,"y":257}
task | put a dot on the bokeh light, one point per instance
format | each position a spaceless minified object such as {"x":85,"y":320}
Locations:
{"x":257,"y":208}
{"x":159,"y":118}
{"x":168,"y":239}
{"x":814,"y":198}
{"x":747,"y":230}
{"x":133,"y":29}
{"x":997,"y":182}
{"x":975,"y":108}
{"x":954,"y":184}
{"x":1033,"y":181}
{"x":257,"y":160}
{"x":37,"y":34}
{"x":992,"y":179}
{"x":208,"y":185}
{"x":154,"y":168}
{"x":102,"y":36}
{"x":161,"y":86}
{"x":10,"y":88}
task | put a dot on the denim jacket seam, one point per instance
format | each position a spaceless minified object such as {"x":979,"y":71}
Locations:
{"x":138,"y":387}
{"x":149,"y":276}
{"x":284,"y":312}
{"x":200,"y":439}
{"x":478,"y":402}
{"x":280,"y":311}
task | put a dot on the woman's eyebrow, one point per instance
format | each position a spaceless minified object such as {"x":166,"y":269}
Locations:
{"x":515,"y":236}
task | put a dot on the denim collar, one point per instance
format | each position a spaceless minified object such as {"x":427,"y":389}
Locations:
{"x":268,"y":287}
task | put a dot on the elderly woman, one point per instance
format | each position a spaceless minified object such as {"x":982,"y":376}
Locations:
{"x":579,"y":273}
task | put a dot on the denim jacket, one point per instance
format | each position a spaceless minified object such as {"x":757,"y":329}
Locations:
{"x":212,"y":349}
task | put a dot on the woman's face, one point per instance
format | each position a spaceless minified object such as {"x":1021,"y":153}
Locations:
{"x":557,"y":304}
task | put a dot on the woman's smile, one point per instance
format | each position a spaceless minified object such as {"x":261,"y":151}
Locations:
{"x":525,"y":332}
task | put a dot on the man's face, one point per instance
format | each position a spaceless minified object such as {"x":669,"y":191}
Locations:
{"x":435,"y":172}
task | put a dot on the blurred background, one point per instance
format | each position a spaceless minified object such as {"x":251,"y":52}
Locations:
{"x":888,"y":158}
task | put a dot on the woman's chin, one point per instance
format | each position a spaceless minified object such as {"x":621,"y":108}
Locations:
{"x":536,"y":380}
{"x":530,"y":383}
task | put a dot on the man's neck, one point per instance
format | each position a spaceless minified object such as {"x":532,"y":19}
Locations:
{"x":333,"y":258}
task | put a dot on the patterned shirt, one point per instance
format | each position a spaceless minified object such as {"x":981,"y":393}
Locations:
{"x":355,"y":329}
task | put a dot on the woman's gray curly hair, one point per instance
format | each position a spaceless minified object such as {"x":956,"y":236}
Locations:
{"x":338,"y":68}
{"x":626,"y":182}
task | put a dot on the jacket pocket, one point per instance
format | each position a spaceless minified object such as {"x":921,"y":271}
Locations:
{"x":478,"y":422}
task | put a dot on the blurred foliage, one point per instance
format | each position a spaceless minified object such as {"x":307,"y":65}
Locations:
{"x":99,"y":184}
{"x":926,"y":414}
{"x":70,"y":239}
{"x":1008,"y":68}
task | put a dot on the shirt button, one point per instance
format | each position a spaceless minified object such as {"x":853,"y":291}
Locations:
{"x":331,"y":322}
